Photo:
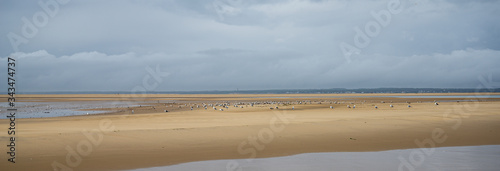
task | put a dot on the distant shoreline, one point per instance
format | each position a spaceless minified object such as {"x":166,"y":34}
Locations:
{"x":285,"y":91}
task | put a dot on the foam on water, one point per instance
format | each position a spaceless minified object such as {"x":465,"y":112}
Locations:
{"x":444,"y":158}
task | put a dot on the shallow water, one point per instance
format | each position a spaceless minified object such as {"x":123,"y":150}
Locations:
{"x":444,"y":158}
{"x":460,"y":97}
{"x":423,"y":96}
{"x":59,"y":109}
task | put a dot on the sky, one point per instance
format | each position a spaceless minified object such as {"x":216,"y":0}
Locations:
{"x":179,"y":45}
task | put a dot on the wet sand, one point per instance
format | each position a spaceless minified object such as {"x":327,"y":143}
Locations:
{"x":440,"y":158}
{"x":151,"y":137}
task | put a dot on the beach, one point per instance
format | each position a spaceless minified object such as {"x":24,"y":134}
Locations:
{"x":144,"y":135}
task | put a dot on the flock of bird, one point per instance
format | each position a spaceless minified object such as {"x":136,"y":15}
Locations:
{"x":221,"y":106}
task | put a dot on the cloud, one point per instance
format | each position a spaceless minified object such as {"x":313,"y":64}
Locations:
{"x":90,"y":71}
{"x":95,"y":45}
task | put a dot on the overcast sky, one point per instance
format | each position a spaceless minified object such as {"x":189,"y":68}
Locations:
{"x":249,"y":44}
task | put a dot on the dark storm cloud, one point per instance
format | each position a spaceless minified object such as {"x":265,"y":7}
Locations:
{"x":229,"y":44}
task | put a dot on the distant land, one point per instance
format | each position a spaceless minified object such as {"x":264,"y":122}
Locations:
{"x":286,"y":91}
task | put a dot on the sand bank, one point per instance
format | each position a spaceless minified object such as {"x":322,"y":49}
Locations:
{"x":150,"y":137}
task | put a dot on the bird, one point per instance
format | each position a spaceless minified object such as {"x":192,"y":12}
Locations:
{"x":436,"y":103}
{"x":391,"y":106}
{"x":376,"y":107}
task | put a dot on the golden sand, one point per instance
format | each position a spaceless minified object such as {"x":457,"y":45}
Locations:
{"x":150,"y":137}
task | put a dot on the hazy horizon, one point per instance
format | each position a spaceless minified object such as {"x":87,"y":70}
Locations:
{"x":285,"y":91}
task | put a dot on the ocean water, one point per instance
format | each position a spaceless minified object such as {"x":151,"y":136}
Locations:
{"x":402,"y":96}
{"x":464,"y":158}
{"x":286,"y":91}
{"x":460,"y":97}
{"x":58,"y":109}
